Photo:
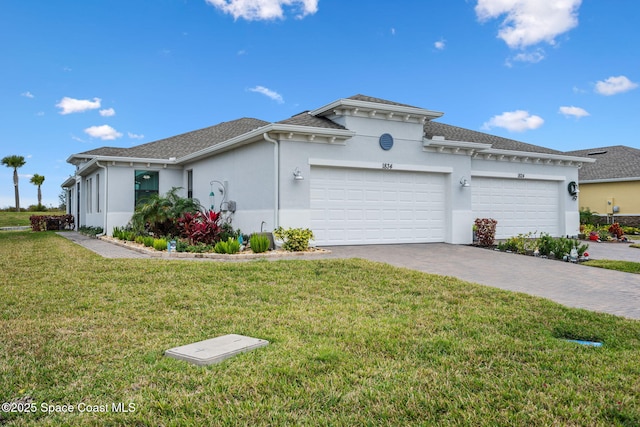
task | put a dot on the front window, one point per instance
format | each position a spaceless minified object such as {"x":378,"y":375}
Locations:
{"x":190,"y":184}
{"x":146,"y":185}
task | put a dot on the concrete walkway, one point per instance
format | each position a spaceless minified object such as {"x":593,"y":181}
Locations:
{"x":573,"y":285}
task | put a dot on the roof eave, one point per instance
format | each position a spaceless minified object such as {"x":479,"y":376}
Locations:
{"x":249,"y":137}
{"x":609,"y":180}
{"x":374,"y":106}
{"x":546,"y":156}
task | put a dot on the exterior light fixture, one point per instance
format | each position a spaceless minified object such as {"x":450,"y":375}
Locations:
{"x":464,"y":183}
{"x":297,"y":175}
{"x":221,"y":188}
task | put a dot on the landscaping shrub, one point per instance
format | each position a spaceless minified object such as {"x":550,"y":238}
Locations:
{"x":616,"y":230}
{"x":486,"y":231}
{"x":148,"y":241}
{"x":259,"y":243}
{"x":51,"y":222}
{"x":160,"y":215}
{"x":160,"y":244}
{"x":90,"y":231}
{"x":522,"y":243}
{"x":117,"y":233}
{"x":587,"y":217}
{"x":294,"y":239}
{"x":559,"y":246}
{"x":200,"y":227}
{"x":231,"y":246}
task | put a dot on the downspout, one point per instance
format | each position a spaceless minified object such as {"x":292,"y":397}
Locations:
{"x":276,"y":167}
{"x":106,"y":196}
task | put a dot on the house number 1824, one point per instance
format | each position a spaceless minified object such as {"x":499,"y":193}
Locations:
{"x":387,"y":166}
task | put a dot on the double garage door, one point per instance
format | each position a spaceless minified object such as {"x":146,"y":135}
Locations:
{"x":519,"y":205}
{"x":364,"y":206}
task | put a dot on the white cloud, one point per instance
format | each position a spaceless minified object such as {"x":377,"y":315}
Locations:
{"x":614,"y":85}
{"x":268,"y":93}
{"x":529,"y":22}
{"x":108,"y":112}
{"x":515,"y":121}
{"x":104,"y":132}
{"x":440,"y":44}
{"x":572,"y":111}
{"x":531,"y":57}
{"x":393,"y":31}
{"x":258,"y":10}
{"x":27,"y":94}
{"x":76,"y":138}
{"x":134,"y":136}
{"x":71,"y":105}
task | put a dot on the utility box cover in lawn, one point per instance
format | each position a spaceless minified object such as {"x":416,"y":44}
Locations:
{"x":215,"y":350}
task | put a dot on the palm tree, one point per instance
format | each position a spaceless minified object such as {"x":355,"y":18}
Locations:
{"x":38,"y":180}
{"x":14,"y":162}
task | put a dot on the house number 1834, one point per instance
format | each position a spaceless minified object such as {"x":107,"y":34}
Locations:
{"x":387,"y":166}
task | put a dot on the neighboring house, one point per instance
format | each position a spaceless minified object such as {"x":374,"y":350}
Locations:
{"x":359,"y":170}
{"x":611,"y":186}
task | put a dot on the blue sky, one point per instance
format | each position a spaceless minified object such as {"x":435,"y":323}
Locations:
{"x":78,"y":75}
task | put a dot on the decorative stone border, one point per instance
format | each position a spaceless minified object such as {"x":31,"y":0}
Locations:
{"x":210,"y":255}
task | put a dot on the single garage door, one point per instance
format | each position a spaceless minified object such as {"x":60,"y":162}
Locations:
{"x":363,"y":206}
{"x":519,"y":205}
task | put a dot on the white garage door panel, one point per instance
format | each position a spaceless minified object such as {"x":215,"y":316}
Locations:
{"x":519,"y":206}
{"x":359,"y":206}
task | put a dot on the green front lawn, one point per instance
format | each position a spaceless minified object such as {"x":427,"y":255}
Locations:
{"x":352,"y":342}
{"x":625,"y":266}
{"x":16,"y":219}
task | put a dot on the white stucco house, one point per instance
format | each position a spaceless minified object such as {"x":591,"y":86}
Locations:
{"x":359,"y":170}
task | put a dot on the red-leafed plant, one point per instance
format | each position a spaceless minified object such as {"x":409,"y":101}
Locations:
{"x":201,"y":227}
{"x":486,"y":231}
{"x":616,"y":230}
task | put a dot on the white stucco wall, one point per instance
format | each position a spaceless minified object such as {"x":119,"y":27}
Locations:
{"x":248,"y":173}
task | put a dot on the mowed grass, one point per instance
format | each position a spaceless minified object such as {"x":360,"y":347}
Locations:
{"x":625,"y":266}
{"x":16,"y":219}
{"x":351,"y":343}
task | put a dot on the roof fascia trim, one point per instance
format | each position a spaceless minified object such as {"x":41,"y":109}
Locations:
{"x":367,"y":105}
{"x":609,"y":180}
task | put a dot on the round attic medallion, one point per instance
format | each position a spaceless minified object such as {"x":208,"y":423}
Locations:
{"x":386,"y":141}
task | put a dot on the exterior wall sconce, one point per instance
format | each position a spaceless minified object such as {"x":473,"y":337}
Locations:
{"x":212,"y":194}
{"x":297,"y":175}
{"x":464,"y":183}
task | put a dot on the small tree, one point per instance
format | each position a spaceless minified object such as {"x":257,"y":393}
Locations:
{"x":14,"y":162}
{"x":38,"y":180}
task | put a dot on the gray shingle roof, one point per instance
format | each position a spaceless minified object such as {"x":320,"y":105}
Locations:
{"x":306,"y":119}
{"x":454,"y":133}
{"x":613,"y":162}
{"x":186,"y":143}
{"x":366,"y":98}
{"x":191,"y":142}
